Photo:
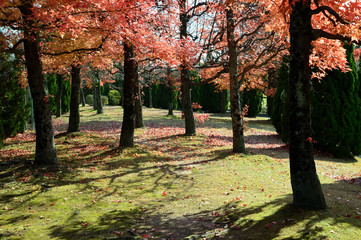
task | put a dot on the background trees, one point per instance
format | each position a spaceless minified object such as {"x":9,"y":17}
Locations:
{"x":14,"y":112}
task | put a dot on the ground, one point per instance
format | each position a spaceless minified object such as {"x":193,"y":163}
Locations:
{"x":169,"y":186}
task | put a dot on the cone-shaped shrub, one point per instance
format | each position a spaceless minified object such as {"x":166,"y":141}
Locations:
{"x":336,"y":111}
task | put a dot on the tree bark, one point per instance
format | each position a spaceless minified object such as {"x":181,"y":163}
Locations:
{"x":139,"y":123}
{"x":59,"y":81}
{"x":74,"y":117}
{"x":190,"y":128}
{"x":171,"y":93}
{"x":170,"y":100}
{"x":95,"y":92}
{"x":130,"y":74}
{"x":307,"y":192}
{"x":237,"y":118}
{"x":150,"y":96}
{"x":45,"y":153}
{"x":82,"y":97}
{"x":98,"y":91}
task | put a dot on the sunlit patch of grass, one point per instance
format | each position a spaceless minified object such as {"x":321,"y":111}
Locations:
{"x":169,"y":186}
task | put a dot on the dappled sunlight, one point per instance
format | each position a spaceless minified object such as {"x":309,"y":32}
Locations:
{"x":169,"y":186}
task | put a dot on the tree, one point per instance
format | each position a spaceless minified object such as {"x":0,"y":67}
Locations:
{"x":308,"y":24}
{"x":130,"y":76}
{"x":59,"y":82}
{"x":45,"y":153}
{"x":335,"y":105}
{"x":139,"y":123}
{"x":14,"y":113}
{"x":280,"y":112}
{"x":190,"y":128}
{"x":334,"y":100}
{"x":74,"y":116}
{"x":252,"y":49}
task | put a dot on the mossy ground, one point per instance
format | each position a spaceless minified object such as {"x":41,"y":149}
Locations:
{"x":169,"y":186}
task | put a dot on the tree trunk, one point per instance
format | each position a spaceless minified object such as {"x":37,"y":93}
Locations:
{"x":130,"y":75}
{"x":171,"y":93}
{"x":95,"y":92}
{"x":98,"y":91}
{"x":139,"y":123}
{"x":237,"y":118}
{"x":224,"y":95}
{"x":170,"y":100}
{"x":59,"y":81}
{"x":45,"y":153}
{"x":74,"y":117}
{"x":307,"y":192}
{"x":190,"y":127}
{"x":150,"y":96}
{"x":82,"y":97}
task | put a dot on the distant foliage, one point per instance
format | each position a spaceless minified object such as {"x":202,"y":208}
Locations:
{"x":14,"y":113}
{"x":208,"y":97}
{"x":90,"y":100}
{"x":160,"y":96}
{"x":105,"y":100}
{"x":53,"y":88}
{"x":114,"y":98}
{"x":279,"y":114}
{"x":253,"y":99}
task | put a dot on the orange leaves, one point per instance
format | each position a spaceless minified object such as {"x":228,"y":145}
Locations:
{"x":328,"y":54}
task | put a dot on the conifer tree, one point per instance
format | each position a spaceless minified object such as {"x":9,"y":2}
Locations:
{"x":13,"y":111}
{"x":336,"y":112}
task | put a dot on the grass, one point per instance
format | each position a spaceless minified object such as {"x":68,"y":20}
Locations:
{"x":168,"y":186}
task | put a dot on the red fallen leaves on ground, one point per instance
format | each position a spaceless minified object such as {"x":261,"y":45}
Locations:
{"x":162,"y":138}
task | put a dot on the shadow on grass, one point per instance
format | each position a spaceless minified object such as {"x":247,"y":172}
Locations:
{"x":230,"y":221}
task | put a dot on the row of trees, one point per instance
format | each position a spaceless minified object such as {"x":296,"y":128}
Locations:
{"x":233,"y":43}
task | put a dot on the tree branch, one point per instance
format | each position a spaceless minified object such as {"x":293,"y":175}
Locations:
{"x":95,"y":49}
{"x":208,"y":80}
{"x":317,"y":33}
{"x":330,"y":11}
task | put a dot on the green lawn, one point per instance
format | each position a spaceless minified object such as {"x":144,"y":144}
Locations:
{"x":169,"y":186}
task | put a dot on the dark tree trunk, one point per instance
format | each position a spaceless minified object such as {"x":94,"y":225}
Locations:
{"x":59,"y":81}
{"x":237,"y":119}
{"x":224,"y":95}
{"x":190,"y":127}
{"x":74,"y":117}
{"x":307,"y":192}
{"x":139,"y":123}
{"x":171,"y":93}
{"x":45,"y":153}
{"x":82,"y":97}
{"x":170,"y":100}
{"x":95,"y":92}
{"x":130,"y":75}
{"x":150,"y":97}
{"x":98,"y":91}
